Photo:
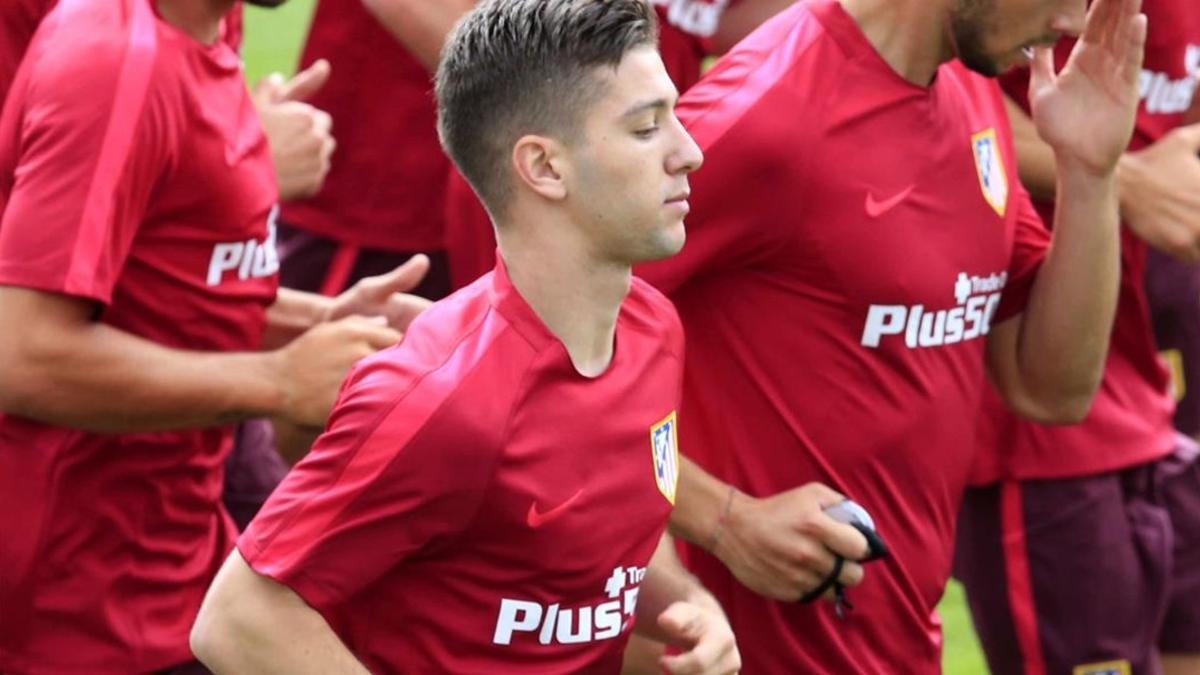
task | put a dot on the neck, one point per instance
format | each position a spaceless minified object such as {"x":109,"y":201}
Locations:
{"x":200,"y":19}
{"x":576,"y":295}
{"x":910,"y":35}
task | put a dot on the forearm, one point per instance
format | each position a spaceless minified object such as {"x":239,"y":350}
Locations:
{"x":102,"y":379}
{"x":666,"y":583}
{"x":420,"y":25}
{"x":700,"y":504}
{"x":251,"y":624}
{"x":1064,"y":331}
{"x":293,"y":313}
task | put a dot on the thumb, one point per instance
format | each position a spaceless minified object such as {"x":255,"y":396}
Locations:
{"x":403,"y":278}
{"x":269,"y":88}
{"x":681,"y":623}
{"x":307,"y":82}
{"x":1041,"y":70}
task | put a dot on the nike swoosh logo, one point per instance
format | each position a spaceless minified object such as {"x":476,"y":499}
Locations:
{"x":535,"y":519}
{"x":876,"y":208}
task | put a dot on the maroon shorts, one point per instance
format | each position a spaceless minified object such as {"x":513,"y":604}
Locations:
{"x":252,"y":471}
{"x":1086,"y":575}
{"x":310,"y":262}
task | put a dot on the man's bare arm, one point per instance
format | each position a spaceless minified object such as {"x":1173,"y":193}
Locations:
{"x":1048,"y":361}
{"x":61,"y":366}
{"x":420,"y":25}
{"x":675,"y":609}
{"x":252,"y":624}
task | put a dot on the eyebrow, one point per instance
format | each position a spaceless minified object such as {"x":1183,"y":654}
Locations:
{"x":637,"y":109}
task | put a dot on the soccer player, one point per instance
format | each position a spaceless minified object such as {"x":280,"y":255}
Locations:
{"x":1080,"y":550}
{"x":137,"y":284}
{"x":689,"y":32}
{"x":488,"y":496}
{"x":859,"y":248}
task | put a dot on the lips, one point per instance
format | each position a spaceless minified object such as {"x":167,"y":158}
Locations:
{"x":681,"y":197}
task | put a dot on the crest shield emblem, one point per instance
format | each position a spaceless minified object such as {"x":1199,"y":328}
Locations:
{"x":664,"y":447}
{"x":993,"y":179}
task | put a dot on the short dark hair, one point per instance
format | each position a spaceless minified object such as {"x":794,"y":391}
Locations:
{"x":516,"y":67}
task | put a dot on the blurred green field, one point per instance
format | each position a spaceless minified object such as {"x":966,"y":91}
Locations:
{"x":273,"y":40}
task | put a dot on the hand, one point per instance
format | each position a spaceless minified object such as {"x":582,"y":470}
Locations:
{"x":384,"y":296}
{"x":783,"y":546}
{"x":311,"y":367}
{"x":705,"y":633}
{"x":299,"y":134}
{"x":1160,"y":193}
{"x":1086,"y":112}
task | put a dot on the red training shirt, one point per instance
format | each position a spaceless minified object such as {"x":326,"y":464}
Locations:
{"x":133,"y":173}
{"x":852,"y":238}
{"x":477,"y":506}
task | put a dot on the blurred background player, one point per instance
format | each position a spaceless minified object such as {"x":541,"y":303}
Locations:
{"x":1066,"y":548}
{"x":455,"y":517}
{"x":382,"y":200}
{"x":301,"y":143}
{"x":859,"y":244}
{"x":137,"y":257}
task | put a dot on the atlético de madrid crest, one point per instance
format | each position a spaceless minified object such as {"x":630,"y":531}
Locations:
{"x":664,"y":446}
{"x":990,"y":165}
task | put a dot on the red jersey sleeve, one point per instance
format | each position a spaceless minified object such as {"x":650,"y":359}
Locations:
{"x":1031,"y":239}
{"x":82,"y":145}
{"x":397,"y":473}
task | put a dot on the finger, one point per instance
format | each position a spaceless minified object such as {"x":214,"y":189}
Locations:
{"x":306,"y":82}
{"x":852,"y":574}
{"x":321,"y":121}
{"x":1041,"y":70}
{"x":1097,"y":28}
{"x":1135,"y":46}
{"x":403,"y":309}
{"x":840,"y":538}
{"x":825,"y":495}
{"x":380,"y":337}
{"x":805,"y":580}
{"x":404,"y":278}
{"x":708,"y":642}
{"x":681,"y":622}
{"x":825,"y":561}
{"x":269,"y":87}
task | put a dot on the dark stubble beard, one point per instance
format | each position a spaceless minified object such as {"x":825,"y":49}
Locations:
{"x":969,"y":23}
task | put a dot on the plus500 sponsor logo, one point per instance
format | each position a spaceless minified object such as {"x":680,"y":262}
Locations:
{"x":976,"y":298}
{"x":556,"y":625}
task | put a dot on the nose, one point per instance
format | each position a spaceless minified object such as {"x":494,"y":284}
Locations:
{"x":687,"y":156}
{"x":1071,"y":18}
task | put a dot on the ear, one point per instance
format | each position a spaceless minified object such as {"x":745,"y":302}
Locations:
{"x":538,"y":163}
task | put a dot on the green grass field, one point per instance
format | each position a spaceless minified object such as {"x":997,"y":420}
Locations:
{"x":273,"y":39}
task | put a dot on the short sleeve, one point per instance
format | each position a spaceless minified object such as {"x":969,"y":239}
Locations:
{"x":84,"y":143}
{"x":397,"y":473}
{"x":1031,"y":240}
